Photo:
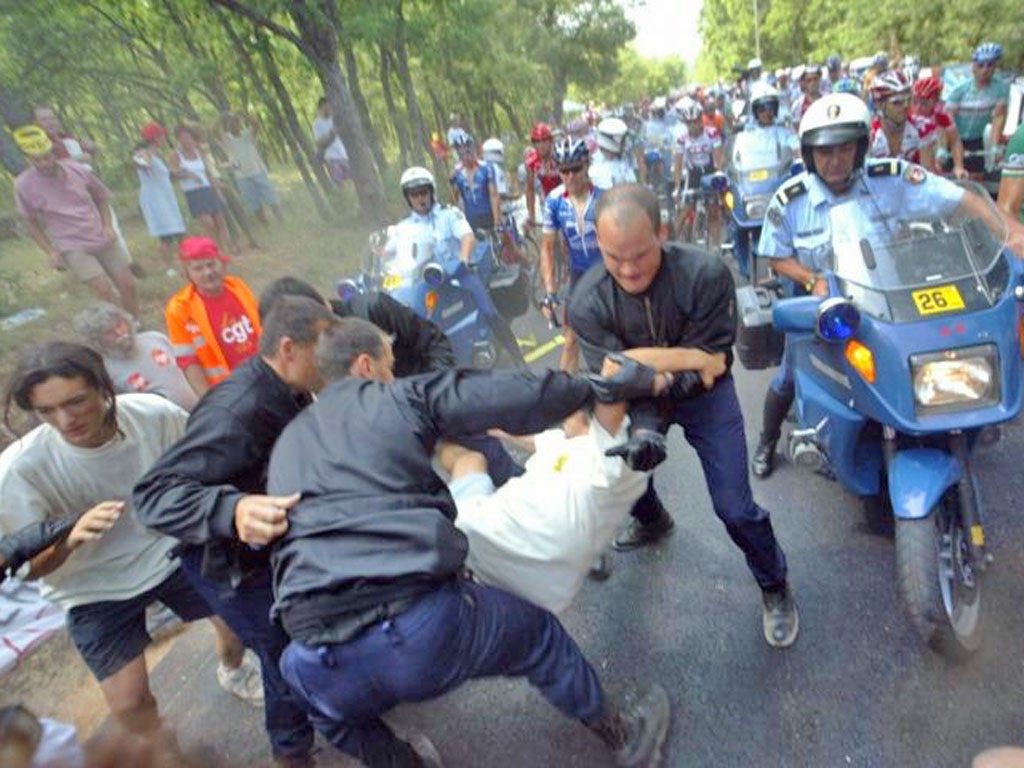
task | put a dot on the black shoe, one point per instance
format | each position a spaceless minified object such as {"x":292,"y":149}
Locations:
{"x":601,"y":570}
{"x":638,"y":534}
{"x":780,"y":617}
{"x":636,"y":731}
{"x":764,"y":458}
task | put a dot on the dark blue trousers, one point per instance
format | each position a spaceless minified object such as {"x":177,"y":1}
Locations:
{"x":713,"y":425}
{"x":458,"y":632}
{"x":500,"y":464}
{"x":247,"y":611}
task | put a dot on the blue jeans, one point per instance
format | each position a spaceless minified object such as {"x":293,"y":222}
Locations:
{"x":456,"y":633}
{"x":713,"y":425}
{"x":247,"y":611}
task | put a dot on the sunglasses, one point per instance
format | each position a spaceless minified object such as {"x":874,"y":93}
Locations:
{"x":902,"y":101}
{"x":568,"y":170}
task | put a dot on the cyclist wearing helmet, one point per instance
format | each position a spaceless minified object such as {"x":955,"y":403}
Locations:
{"x":656,"y":139}
{"x":445,"y":228}
{"x":878,"y":65}
{"x":540,"y":168}
{"x":569,"y":212}
{"x":473,"y":185}
{"x":979,"y":101}
{"x":834,"y":70}
{"x":834,"y":139}
{"x":928,"y":112}
{"x":893,"y":134}
{"x":610,"y":165}
{"x":494,"y":155}
{"x":698,"y":152}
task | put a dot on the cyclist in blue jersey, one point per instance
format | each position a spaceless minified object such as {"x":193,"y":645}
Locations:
{"x":473,"y":185}
{"x":569,"y":212}
{"x":979,"y":101}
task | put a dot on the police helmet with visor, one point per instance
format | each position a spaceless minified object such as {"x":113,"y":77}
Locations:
{"x":835,"y":119}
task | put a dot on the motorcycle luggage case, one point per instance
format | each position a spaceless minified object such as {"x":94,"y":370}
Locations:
{"x":758,"y":344}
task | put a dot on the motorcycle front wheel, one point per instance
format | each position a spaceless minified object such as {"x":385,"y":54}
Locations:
{"x":939,"y":584}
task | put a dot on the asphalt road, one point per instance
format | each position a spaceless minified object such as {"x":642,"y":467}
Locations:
{"x":857,"y":688}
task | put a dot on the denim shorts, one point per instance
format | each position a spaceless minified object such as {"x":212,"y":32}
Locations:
{"x":471,"y":486}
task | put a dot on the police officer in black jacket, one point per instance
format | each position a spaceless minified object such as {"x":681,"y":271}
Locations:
{"x":209,"y":491}
{"x":673,"y":307}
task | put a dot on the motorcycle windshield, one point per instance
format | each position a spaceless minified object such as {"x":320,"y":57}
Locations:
{"x":905,"y":268}
{"x":760,"y":154}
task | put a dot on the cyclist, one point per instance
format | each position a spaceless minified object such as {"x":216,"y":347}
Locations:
{"x":893,"y":134}
{"x":656,"y":139}
{"x":569,"y":212}
{"x":834,"y":70}
{"x":878,"y":65}
{"x":611,"y":163}
{"x":698,"y":152}
{"x":927,"y":111}
{"x":494,"y":155}
{"x":809,"y":79}
{"x":977,"y":102}
{"x":540,"y":167}
{"x":473,"y":185}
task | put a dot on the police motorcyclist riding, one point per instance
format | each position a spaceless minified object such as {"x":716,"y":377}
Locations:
{"x":834,"y":137}
{"x":893,"y":134}
{"x":445,"y":229}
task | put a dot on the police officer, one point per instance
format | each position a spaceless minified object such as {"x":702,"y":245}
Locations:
{"x":672,"y":307}
{"x":446,"y":230}
{"x":834,"y":136}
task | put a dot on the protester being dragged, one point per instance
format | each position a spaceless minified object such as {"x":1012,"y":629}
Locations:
{"x":195,"y":176}
{"x":157,"y":200}
{"x":213,"y":322}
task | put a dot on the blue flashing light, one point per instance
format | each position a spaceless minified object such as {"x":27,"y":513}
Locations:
{"x":347,"y":290}
{"x":433,"y":275}
{"x":838,"y":320}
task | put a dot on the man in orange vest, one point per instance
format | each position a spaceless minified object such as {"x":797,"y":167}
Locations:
{"x":213,"y":322}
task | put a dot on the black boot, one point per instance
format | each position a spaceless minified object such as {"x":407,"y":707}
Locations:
{"x":776,"y":406}
{"x":635,"y":732}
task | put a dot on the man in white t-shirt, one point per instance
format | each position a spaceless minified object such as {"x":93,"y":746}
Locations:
{"x":329,"y":143}
{"x":84,"y":459}
{"x":238,"y":140}
{"x":538,"y":535}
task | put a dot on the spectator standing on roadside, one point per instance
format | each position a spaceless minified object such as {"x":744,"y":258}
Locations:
{"x":238,"y":140}
{"x":195,"y":177}
{"x":329,"y":143}
{"x":157,"y":200}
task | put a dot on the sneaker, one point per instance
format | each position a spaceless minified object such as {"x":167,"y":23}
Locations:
{"x":245,"y":681}
{"x":636,"y":731}
{"x":780,"y":618}
{"x":425,"y":750}
{"x":638,"y":534}
{"x":602,"y":567}
{"x":764,"y":458}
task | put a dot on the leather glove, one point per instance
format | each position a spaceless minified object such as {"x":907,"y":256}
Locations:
{"x":633,"y":380}
{"x":685,"y":385}
{"x":643,"y":451}
{"x":18,"y":548}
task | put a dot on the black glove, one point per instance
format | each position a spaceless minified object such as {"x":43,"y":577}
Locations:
{"x":18,"y":548}
{"x":643,"y":451}
{"x":633,"y":380}
{"x":685,"y":385}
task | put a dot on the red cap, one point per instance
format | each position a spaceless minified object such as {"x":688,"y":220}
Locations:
{"x":152,"y":131}
{"x":199,"y":248}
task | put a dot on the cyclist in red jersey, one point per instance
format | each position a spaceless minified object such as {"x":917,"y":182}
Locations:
{"x":928,"y":111}
{"x":540,"y":166}
{"x":893,"y":133}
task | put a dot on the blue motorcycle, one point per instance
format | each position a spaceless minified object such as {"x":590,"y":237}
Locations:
{"x":759,"y":161}
{"x":913,"y":353}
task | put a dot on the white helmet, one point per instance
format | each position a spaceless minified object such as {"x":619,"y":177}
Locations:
{"x":659,"y":103}
{"x":835,"y":119}
{"x":689,"y":109}
{"x":754,"y":63}
{"x":417,"y":176}
{"x":494,"y":150}
{"x":762,"y":90}
{"x":611,"y":135}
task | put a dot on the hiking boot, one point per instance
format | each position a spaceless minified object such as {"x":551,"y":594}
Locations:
{"x":764,"y":458}
{"x":639,"y":534}
{"x":781,"y":619}
{"x":245,"y":681}
{"x":636,"y":732}
{"x":426,"y":752}
{"x":602,"y":567}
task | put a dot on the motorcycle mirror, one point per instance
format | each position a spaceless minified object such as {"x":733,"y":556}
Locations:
{"x":433,"y":275}
{"x":838,"y":320}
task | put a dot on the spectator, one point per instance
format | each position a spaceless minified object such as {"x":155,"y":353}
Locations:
{"x":67,"y":211}
{"x":238,"y":140}
{"x":157,"y":201}
{"x":65,"y":145}
{"x":195,"y":177}
{"x":329,"y":143}
{"x":136,"y":362}
{"x":213,"y":322}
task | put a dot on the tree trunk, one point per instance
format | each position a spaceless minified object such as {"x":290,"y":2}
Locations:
{"x":319,"y":28}
{"x":15,"y":113}
{"x":513,"y":119}
{"x":352,"y":71}
{"x":561,"y":87}
{"x":420,"y":135}
{"x":401,"y":127}
{"x":296,"y":149}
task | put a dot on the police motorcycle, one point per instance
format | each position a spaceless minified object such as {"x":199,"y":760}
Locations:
{"x":760,"y":158}
{"x":897,"y":371}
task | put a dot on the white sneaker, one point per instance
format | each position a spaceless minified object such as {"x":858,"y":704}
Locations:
{"x":245,"y":681}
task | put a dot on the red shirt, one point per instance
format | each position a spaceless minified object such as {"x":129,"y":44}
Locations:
{"x":234,"y":330}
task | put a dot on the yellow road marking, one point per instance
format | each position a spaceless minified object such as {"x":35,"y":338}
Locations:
{"x":544,"y":349}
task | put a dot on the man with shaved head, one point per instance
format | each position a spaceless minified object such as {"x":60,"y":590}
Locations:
{"x":672,"y":307}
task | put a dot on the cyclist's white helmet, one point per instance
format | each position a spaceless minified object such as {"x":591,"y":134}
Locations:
{"x":754,"y":63}
{"x":688,"y":109}
{"x":835,"y":119}
{"x":611,"y":135}
{"x":494,"y":150}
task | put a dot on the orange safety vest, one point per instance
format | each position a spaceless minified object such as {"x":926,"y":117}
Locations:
{"x":191,"y":334}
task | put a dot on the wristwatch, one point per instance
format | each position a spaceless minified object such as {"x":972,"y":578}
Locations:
{"x":811,"y":282}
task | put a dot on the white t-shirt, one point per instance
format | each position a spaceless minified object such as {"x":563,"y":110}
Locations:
{"x":322,"y":126}
{"x":152,"y":369}
{"x":538,"y":535}
{"x":606,"y":172}
{"x":242,"y":153}
{"x":49,"y":478}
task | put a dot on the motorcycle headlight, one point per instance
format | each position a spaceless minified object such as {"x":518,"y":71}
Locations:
{"x":956,"y":379}
{"x":755,"y":207}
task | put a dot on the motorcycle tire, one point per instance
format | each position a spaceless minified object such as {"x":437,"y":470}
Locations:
{"x":513,"y":301}
{"x":940,"y":589}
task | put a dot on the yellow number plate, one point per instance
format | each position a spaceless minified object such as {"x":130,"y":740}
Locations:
{"x":758,"y":175}
{"x":942,"y":298}
{"x":394,"y":281}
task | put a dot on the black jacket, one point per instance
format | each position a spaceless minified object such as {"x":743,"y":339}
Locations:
{"x":375,"y":523}
{"x":191,"y":491}
{"x":690,"y":303}
{"x":419,"y":345}
{"x":21,"y":546}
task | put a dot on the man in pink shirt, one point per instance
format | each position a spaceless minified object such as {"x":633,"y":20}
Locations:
{"x":67,"y":213}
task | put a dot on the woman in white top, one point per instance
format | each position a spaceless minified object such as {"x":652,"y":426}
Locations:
{"x":189,"y":167}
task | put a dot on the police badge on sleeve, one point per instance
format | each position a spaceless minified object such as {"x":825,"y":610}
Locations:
{"x":914,"y":174}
